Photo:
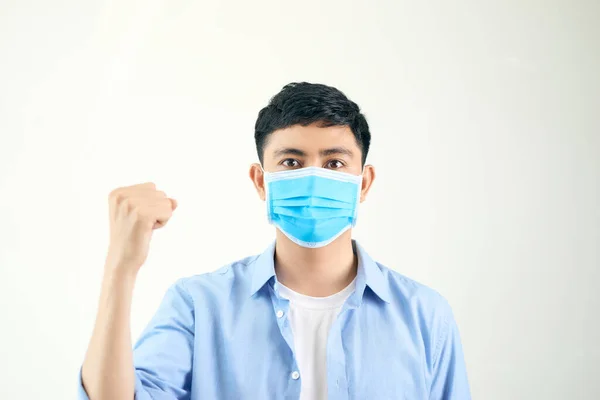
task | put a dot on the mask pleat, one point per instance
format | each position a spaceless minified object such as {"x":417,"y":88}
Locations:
{"x":313,"y":202}
{"x":314,"y":186}
{"x":312,"y":212}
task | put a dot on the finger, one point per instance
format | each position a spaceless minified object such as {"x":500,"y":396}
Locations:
{"x":142,"y":203}
{"x":140,"y":186}
{"x":145,"y":185}
{"x":147,"y":191}
{"x":160,"y":215}
{"x":173,"y":204}
{"x":120,"y":194}
{"x":159,"y":224}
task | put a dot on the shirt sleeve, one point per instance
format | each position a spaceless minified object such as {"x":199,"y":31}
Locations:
{"x":163,"y":353}
{"x":449,"y":371}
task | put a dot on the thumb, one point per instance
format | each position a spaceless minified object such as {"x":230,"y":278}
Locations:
{"x":173,"y":204}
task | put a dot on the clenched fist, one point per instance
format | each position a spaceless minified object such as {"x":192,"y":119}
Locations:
{"x":135,"y":211}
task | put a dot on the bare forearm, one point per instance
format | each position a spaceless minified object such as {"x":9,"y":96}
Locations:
{"x":135,"y":212}
{"x":108,"y":371}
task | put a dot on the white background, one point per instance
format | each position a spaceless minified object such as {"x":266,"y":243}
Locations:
{"x":485,"y":123}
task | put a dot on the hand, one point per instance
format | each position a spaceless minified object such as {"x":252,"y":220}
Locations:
{"x":135,"y":211}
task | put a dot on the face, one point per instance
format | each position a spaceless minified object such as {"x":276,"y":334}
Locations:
{"x":300,"y":146}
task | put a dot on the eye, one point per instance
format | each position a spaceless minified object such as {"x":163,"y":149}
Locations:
{"x":334,"y":164}
{"x":290,"y":163}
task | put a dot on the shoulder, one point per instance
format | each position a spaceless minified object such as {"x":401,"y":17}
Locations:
{"x":218,"y":283}
{"x":415,"y":297}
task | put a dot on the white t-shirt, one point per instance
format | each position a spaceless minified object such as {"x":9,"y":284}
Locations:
{"x":311,"y":319}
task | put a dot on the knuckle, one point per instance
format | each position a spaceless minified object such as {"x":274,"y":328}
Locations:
{"x":137,"y":213}
{"x":131,"y":207}
{"x":112,"y":196}
{"x":120,"y":198}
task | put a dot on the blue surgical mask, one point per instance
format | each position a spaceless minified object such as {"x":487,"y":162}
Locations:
{"x":312,"y":206}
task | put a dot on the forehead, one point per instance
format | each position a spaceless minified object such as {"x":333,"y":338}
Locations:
{"x":312,"y":138}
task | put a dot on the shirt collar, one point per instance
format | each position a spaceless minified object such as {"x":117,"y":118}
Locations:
{"x":369,"y":273}
{"x":264,"y":269}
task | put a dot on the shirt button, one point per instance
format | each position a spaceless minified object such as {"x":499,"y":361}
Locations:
{"x":295,"y":375}
{"x":279,"y":315}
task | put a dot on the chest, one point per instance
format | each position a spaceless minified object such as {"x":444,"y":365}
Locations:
{"x":356,"y":354}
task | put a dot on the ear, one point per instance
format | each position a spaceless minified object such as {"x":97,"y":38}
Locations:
{"x":368,"y":178}
{"x":257,"y":177}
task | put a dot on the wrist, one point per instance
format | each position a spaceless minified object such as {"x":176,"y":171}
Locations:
{"x":120,"y":271}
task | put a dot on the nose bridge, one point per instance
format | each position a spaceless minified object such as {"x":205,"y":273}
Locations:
{"x":313,"y":159}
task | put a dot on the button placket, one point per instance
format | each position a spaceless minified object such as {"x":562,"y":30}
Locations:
{"x":336,"y":359}
{"x":280,"y":309}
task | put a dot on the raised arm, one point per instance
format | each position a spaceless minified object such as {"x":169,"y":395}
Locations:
{"x":135,"y":212}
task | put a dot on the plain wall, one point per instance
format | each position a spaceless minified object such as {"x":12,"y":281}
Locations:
{"x":485,"y":119}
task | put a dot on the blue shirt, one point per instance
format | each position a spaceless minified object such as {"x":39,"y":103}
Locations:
{"x":218,"y":336}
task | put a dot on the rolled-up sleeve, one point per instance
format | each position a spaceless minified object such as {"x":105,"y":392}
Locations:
{"x":140,"y":393}
{"x":81,"y":393}
{"x":163,"y":354}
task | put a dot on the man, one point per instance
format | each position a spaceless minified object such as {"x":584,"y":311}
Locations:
{"x":313,"y":317}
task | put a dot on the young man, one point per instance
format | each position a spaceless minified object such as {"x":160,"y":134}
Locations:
{"x":313,"y":317}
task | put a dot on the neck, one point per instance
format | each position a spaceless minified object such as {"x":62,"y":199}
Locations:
{"x":315,"y":272}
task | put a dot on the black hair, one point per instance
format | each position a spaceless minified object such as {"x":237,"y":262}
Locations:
{"x":308,"y":103}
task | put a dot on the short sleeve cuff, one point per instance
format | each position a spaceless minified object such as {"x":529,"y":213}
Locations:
{"x":140,"y":393}
{"x":81,"y":393}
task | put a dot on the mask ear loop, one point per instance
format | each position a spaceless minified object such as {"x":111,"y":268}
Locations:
{"x":358,"y":194}
{"x":267,"y":195}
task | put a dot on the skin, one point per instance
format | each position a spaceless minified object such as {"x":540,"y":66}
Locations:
{"x":134,"y":213}
{"x":137,"y":211}
{"x":327,"y":270}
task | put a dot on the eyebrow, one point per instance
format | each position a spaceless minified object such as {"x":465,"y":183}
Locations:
{"x":336,"y":150}
{"x":289,"y":151}
{"x":324,"y":153}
